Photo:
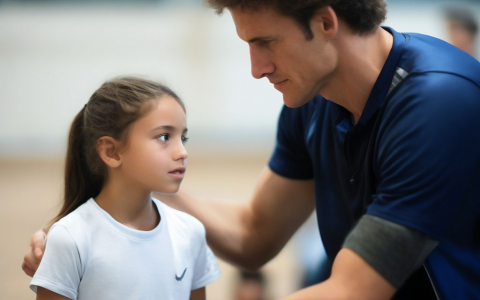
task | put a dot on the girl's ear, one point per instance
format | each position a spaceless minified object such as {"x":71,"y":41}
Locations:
{"x":108,"y":147}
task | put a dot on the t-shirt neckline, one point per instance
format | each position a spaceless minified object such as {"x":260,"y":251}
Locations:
{"x":126,"y":231}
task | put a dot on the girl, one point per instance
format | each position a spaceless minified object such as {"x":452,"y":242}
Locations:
{"x":112,"y":239}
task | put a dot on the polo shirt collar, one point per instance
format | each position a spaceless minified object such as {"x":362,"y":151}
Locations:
{"x":382,"y":85}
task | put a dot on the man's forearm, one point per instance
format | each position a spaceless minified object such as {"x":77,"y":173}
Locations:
{"x":228,"y":227}
{"x":326,"y":290}
{"x":352,"y":278}
{"x":249,"y":234}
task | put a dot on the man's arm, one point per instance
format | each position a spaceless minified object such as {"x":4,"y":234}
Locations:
{"x":352,"y":278}
{"x":247,"y":234}
{"x":44,"y":294}
{"x":378,"y":256}
{"x":250,"y":234}
{"x":198,"y":294}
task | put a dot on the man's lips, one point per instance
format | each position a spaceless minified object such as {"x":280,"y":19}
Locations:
{"x":278,"y":84}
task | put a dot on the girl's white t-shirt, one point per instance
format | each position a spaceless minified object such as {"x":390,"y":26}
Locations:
{"x":89,"y":255}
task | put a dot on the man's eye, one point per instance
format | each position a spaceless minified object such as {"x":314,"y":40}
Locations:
{"x":163,"y":137}
{"x":266,"y":42}
{"x":184,"y":139}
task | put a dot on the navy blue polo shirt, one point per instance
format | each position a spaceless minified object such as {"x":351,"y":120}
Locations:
{"x":413,"y":158}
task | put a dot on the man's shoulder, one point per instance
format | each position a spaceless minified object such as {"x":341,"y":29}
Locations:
{"x":431,"y":101}
{"x":437,"y":90}
{"x":426,"y":54}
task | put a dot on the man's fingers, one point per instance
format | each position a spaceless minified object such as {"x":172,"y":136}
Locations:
{"x":37,"y":243}
{"x":27,"y":270}
{"x":30,"y":263}
{"x":34,"y":254}
{"x":38,"y":254}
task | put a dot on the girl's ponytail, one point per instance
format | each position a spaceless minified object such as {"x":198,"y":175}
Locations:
{"x":80,"y":183}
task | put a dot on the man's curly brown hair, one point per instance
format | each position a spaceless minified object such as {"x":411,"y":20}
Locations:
{"x":363,"y":16}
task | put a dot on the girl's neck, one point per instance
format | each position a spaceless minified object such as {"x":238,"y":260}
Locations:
{"x":132,"y":207}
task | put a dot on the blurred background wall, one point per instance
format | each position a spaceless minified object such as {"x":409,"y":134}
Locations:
{"x":54,"y":54}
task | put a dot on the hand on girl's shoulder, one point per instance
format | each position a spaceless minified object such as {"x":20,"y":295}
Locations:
{"x":60,"y":270}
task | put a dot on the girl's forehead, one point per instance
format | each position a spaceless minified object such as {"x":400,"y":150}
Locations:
{"x":165,"y":111}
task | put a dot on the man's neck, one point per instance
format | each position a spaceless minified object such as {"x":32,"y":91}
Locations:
{"x":361,"y":59}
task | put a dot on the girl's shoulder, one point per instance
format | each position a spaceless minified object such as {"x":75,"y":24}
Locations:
{"x":83,"y":217}
{"x":72,"y":234}
{"x":80,"y":224}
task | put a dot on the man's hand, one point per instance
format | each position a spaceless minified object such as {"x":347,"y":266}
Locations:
{"x":34,"y":253}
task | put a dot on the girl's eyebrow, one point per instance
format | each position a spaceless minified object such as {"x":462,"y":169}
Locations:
{"x":168,"y":127}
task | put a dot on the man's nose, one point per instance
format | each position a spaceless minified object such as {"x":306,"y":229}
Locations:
{"x":261,"y":64}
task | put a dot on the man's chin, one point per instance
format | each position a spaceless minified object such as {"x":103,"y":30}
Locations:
{"x":294,"y":102}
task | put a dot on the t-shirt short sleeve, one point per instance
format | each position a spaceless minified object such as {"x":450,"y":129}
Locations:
{"x":290,"y":157}
{"x":206,"y":267}
{"x":60,"y":268}
{"x":428,"y":153}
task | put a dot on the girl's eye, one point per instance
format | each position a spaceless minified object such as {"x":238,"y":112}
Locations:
{"x":163,"y":138}
{"x":184,"y":139}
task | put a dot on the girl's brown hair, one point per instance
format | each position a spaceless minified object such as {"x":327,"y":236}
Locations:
{"x":109,"y":112}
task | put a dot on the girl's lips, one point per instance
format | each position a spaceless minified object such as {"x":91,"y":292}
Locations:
{"x":178,"y":175}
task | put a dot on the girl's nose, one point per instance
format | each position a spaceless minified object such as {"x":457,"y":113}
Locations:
{"x":181,"y":152}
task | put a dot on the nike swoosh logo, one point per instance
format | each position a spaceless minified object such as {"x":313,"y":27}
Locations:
{"x":181,"y":277}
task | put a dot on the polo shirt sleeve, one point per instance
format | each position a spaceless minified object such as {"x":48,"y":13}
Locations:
{"x":428,"y":153}
{"x":60,"y":268}
{"x":206,"y":266}
{"x":290,"y":157}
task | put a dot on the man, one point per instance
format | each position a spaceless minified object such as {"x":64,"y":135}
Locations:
{"x":391,"y":160}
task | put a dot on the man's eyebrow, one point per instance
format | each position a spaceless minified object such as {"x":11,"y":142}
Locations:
{"x":260,"y":38}
{"x":168,"y":127}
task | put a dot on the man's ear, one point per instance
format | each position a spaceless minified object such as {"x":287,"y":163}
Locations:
{"x":325,"y":22}
{"x":108,"y":147}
